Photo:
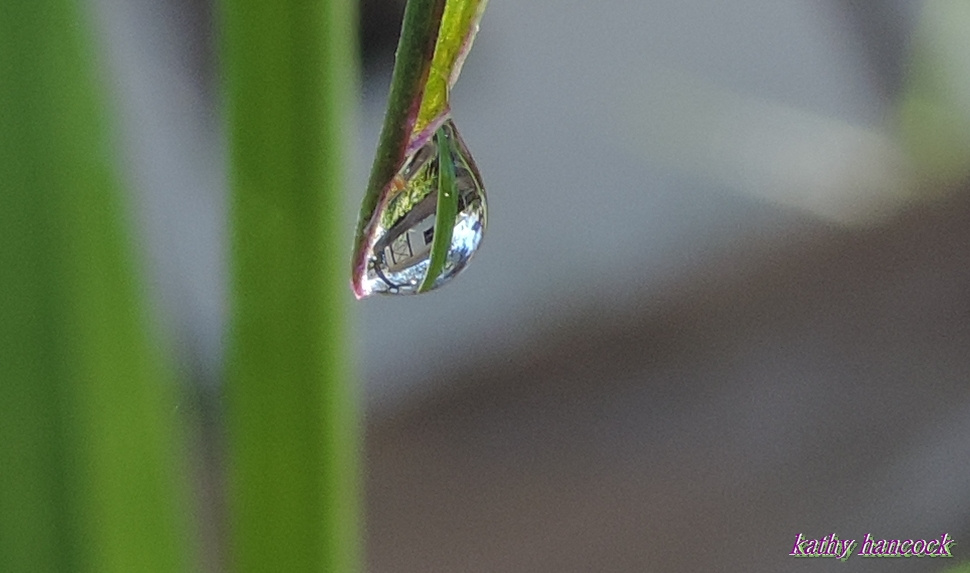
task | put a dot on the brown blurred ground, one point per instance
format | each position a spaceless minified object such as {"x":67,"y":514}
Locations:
{"x":815,"y":387}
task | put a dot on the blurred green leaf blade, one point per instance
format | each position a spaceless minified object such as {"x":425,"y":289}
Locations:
{"x":291,"y":408}
{"x":89,"y":474}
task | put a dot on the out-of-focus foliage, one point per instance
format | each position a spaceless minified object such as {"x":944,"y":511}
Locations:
{"x":90,"y":478}
{"x":291,"y":410}
{"x":934,"y":114}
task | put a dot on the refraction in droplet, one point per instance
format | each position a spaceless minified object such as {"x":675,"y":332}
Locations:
{"x":402,"y":239}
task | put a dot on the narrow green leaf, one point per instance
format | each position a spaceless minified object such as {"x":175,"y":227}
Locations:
{"x":291,"y":410}
{"x":459,"y":24}
{"x":415,"y":49}
{"x":89,"y":474}
{"x":445,"y":212}
{"x":436,"y":35}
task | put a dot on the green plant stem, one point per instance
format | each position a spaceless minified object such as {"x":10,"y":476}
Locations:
{"x":291,"y":410}
{"x":89,"y":474}
{"x":412,"y":65}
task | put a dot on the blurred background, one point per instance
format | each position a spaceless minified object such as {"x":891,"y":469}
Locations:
{"x":723,"y":298}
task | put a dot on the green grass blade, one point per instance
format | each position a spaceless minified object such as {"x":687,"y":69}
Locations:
{"x":291,"y":409}
{"x":412,"y":65}
{"x":445,"y":212}
{"x":459,"y":24}
{"x":89,"y":477}
{"x":436,"y":35}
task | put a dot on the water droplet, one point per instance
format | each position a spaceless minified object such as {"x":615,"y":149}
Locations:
{"x":439,"y":180}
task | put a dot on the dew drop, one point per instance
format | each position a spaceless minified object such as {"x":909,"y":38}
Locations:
{"x":439,"y":179}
